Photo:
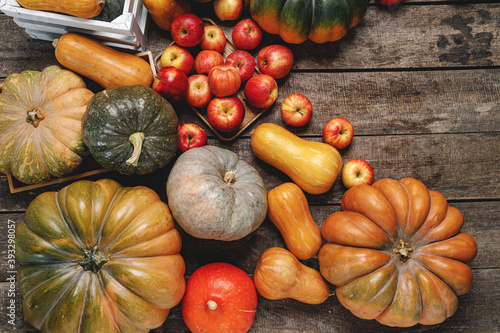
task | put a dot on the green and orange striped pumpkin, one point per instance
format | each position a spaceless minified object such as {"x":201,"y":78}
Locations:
{"x":40,"y":124}
{"x":99,"y":257}
{"x":299,"y":20}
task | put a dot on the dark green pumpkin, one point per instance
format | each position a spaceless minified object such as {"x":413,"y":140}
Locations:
{"x":130,"y":129}
{"x":112,"y":9}
{"x":298,"y":20}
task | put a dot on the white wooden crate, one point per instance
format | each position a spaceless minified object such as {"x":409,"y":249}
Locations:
{"x":127,"y":31}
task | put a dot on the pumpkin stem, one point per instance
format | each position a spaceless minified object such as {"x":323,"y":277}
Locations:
{"x":212,"y":305}
{"x":136,"y":140}
{"x":34,"y":117}
{"x":93,"y":260}
{"x":230,"y":177}
{"x":403,"y":250}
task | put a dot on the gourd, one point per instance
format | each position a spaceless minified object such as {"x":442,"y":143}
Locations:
{"x":313,"y":166}
{"x":81,"y":8}
{"x":215,"y":195}
{"x":298,"y":20}
{"x":163,"y":12}
{"x":98,"y":257}
{"x":40,"y":124}
{"x":289,"y":211}
{"x":396,"y":253}
{"x":100,"y":63}
{"x":220,"y":297}
{"x":130,"y":129}
{"x":278,"y":275}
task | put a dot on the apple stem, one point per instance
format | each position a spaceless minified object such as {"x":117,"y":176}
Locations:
{"x":212,"y":305}
{"x":136,"y":140}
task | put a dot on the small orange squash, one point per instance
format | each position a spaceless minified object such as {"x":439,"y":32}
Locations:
{"x":278,"y":274}
{"x":289,"y":211}
{"x":313,"y":166}
{"x":101,"y":63}
{"x":81,"y":8}
{"x":163,"y":12}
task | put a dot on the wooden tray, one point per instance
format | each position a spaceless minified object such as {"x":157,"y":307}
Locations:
{"x":88,"y":167}
{"x":251,"y":112}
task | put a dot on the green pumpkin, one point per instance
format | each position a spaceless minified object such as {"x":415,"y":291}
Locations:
{"x":130,"y":129}
{"x":112,"y":9}
{"x":99,"y":257}
{"x":40,"y":124}
{"x":298,"y":20}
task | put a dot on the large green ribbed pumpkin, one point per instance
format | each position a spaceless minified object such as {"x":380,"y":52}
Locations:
{"x":99,"y":257}
{"x":131,"y":129}
{"x":40,"y":124}
{"x":298,"y":20}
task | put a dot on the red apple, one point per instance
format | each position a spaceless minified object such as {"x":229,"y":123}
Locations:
{"x":171,"y":83}
{"x":246,"y":35}
{"x":213,"y":39}
{"x":191,"y":136}
{"x":228,"y":10}
{"x":296,"y":110}
{"x":177,"y":57}
{"x":187,"y":30}
{"x":389,"y":2}
{"x":224,"y":80}
{"x":261,"y":91}
{"x":357,"y":172}
{"x":338,"y":132}
{"x":206,"y":60}
{"x":275,"y":60}
{"x":199,"y":94}
{"x":225,"y":113}
{"x":244,"y":62}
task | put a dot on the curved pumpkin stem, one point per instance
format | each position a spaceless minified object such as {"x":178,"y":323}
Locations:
{"x":230,"y":177}
{"x":136,"y":140}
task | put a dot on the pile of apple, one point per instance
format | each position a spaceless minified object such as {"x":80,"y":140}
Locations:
{"x":208,"y":80}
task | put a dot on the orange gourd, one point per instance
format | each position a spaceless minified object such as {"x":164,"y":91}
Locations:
{"x":289,"y":211}
{"x":312,"y":165}
{"x":81,"y":8}
{"x":279,"y":274}
{"x":101,"y":63}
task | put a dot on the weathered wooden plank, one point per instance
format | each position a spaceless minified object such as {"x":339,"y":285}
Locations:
{"x":478,"y":311}
{"x":452,"y":36}
{"x":461,"y":167}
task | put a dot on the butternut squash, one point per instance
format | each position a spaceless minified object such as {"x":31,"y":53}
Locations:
{"x":278,"y":275}
{"x":100,"y":63}
{"x":313,"y":166}
{"x":81,"y":8}
{"x":289,"y":211}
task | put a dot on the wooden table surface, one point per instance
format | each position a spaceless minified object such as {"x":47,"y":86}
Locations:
{"x":421,"y":85}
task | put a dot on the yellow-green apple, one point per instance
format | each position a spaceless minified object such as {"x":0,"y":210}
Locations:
{"x":275,"y":60}
{"x":225,"y":113}
{"x":177,"y":57}
{"x":199,"y":94}
{"x":338,"y":132}
{"x":206,"y":60}
{"x":261,"y":90}
{"x":187,"y":30}
{"x":224,"y":80}
{"x":191,"y":136}
{"x":246,"y":34}
{"x":228,"y":10}
{"x":171,"y":83}
{"x":296,"y":110}
{"x":213,"y":39}
{"x":357,"y":172}
{"x":243,"y":61}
